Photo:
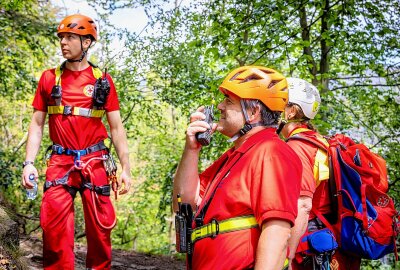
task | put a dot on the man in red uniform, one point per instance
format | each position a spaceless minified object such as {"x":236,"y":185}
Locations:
{"x":304,"y":101}
{"x":246,"y":201}
{"x":76,"y":95}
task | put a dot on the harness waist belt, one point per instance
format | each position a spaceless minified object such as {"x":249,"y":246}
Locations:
{"x":215,"y":227}
{"x":59,"y":150}
{"x":71,"y":110}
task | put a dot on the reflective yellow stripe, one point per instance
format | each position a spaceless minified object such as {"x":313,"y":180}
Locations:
{"x":55,"y":109}
{"x":58,"y":75}
{"x":97,"y":72}
{"x":321,"y":166}
{"x":228,"y":225}
{"x":76,"y":111}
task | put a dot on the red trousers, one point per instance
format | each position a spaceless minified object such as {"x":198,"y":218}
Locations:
{"x":57,"y":214}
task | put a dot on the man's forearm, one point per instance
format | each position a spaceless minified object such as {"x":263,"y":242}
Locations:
{"x":120,"y":142}
{"x":272,"y":244}
{"x":35,"y":135}
{"x":186,"y":180}
{"x":300,"y":227}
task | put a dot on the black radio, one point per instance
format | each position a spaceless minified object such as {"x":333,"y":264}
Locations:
{"x":204,"y":138}
{"x":101,"y":91}
{"x":183,"y":227}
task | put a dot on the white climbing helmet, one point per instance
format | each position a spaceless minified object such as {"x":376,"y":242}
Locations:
{"x":305,"y":95}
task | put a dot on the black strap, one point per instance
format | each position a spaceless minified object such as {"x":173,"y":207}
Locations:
{"x":60,"y":181}
{"x":104,"y":190}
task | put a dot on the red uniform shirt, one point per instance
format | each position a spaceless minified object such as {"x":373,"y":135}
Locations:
{"x":311,"y":187}
{"x":263,"y":181}
{"x":74,"y":132}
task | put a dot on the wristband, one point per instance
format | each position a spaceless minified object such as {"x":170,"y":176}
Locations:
{"x":26,"y":162}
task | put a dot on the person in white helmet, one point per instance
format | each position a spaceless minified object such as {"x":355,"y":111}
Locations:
{"x":303,"y":106}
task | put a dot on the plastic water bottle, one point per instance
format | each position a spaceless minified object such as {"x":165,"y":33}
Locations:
{"x":32,"y":193}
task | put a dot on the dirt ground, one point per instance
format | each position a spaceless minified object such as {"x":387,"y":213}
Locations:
{"x":122,"y":260}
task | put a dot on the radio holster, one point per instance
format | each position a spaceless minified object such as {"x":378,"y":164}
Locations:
{"x":183,"y":228}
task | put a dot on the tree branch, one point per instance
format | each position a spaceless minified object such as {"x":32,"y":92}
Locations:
{"x":365,"y":77}
{"x":362,"y":85}
{"x":325,"y":48}
{"x":384,"y":138}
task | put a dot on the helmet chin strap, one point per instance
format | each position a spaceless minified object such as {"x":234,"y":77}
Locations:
{"x":247,"y":126}
{"x":84,"y":53}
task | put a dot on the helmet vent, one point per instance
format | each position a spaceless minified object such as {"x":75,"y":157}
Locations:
{"x":272,"y":83}
{"x":267,"y":71}
{"x":81,"y":28}
{"x":235,"y":76}
{"x":72,"y":25}
{"x":252,"y":77}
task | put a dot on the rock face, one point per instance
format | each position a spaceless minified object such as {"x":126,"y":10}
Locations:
{"x":9,"y":235}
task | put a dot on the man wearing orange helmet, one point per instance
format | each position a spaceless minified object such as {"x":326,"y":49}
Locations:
{"x":76,"y":95}
{"x":246,"y":201}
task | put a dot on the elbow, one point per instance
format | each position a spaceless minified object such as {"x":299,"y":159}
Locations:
{"x":305,"y":204}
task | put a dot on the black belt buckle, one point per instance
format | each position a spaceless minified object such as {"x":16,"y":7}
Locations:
{"x":67,"y":110}
{"x":48,"y":184}
{"x":214,"y":221}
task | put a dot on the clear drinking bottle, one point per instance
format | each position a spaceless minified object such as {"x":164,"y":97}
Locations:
{"x":32,"y":192}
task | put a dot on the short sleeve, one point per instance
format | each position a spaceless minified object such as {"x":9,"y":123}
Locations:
{"x":40,"y":98}
{"x":275,"y":187}
{"x":112,"y":103}
{"x":306,"y":154}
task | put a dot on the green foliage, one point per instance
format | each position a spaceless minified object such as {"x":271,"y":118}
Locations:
{"x":349,"y":49}
{"x":27,"y":41}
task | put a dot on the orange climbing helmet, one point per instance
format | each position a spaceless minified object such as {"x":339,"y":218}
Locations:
{"x":78,"y":24}
{"x":257,"y":82}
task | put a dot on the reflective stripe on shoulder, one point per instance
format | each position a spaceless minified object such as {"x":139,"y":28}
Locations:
{"x":321,"y":166}
{"x":97,"y":72}
{"x":58,"y":71}
{"x":215,"y":227}
{"x":68,"y":110}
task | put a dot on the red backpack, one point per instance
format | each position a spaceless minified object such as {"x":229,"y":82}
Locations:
{"x":367,"y":221}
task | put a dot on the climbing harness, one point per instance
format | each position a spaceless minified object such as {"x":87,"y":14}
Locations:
{"x":100,"y":93}
{"x":82,"y":166}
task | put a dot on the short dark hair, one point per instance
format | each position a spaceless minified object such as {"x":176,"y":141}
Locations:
{"x":268,"y":117}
